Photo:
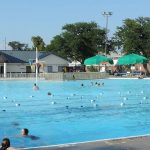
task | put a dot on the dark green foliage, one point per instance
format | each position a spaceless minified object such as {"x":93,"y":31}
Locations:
{"x":38,"y":43}
{"x":78,"y":41}
{"x":15,"y":45}
{"x":134,"y":36}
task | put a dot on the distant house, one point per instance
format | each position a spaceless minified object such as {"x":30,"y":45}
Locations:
{"x":14,"y":61}
{"x":115,"y":56}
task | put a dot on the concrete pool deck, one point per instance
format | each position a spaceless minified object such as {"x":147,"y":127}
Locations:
{"x":131,"y":143}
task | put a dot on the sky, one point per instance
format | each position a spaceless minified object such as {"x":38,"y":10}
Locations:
{"x":22,"y":19}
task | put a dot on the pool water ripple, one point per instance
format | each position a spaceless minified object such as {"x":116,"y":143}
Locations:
{"x":74,"y":113}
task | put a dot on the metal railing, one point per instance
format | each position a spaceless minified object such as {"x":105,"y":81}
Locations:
{"x":21,"y":75}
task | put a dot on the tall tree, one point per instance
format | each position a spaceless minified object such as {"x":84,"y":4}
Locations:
{"x":134,"y":36}
{"x":38,"y":42}
{"x":78,"y":41}
{"x":15,"y":45}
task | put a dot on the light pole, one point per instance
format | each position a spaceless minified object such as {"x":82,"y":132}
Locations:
{"x":106,"y":14}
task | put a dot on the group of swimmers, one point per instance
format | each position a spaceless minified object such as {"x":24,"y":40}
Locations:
{"x":96,"y":84}
{"x":5,"y":144}
{"x":35,"y":87}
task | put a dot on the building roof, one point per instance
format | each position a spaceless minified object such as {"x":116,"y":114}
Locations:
{"x":16,"y":56}
{"x":3,"y":59}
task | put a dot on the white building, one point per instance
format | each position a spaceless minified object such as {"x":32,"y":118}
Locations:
{"x":14,"y":61}
{"x":115,"y":56}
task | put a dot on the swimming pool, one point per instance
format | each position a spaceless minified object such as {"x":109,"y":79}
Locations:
{"x":73,"y":113}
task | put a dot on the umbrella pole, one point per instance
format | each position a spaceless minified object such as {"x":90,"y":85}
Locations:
{"x":140,"y":70}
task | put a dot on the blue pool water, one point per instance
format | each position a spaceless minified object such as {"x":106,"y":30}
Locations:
{"x":73,"y":113}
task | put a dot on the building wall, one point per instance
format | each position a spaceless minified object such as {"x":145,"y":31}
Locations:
{"x":54,"y":67}
{"x":22,"y":67}
{"x":54,"y":61}
{"x":16,"y":67}
{"x":51,"y":60}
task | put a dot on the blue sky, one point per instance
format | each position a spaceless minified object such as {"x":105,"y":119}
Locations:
{"x":22,"y":19}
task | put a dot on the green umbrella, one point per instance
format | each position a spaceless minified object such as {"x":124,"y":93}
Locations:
{"x":132,"y":59}
{"x":96,"y":60}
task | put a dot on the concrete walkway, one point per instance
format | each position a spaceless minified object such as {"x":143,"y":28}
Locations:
{"x":135,"y":143}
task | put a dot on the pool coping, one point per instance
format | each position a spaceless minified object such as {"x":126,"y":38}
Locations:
{"x":103,"y":144}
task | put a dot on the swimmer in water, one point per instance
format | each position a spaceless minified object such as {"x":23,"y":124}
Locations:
{"x":82,"y":84}
{"x":35,"y":87}
{"x":49,"y":93}
{"x":5,"y":145}
{"x":25,"y":133}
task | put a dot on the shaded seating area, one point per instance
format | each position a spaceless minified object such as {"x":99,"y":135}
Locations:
{"x":133,"y":64}
{"x":131,"y":74}
{"x":98,"y":63}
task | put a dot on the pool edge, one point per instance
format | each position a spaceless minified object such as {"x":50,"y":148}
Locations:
{"x":85,"y":142}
